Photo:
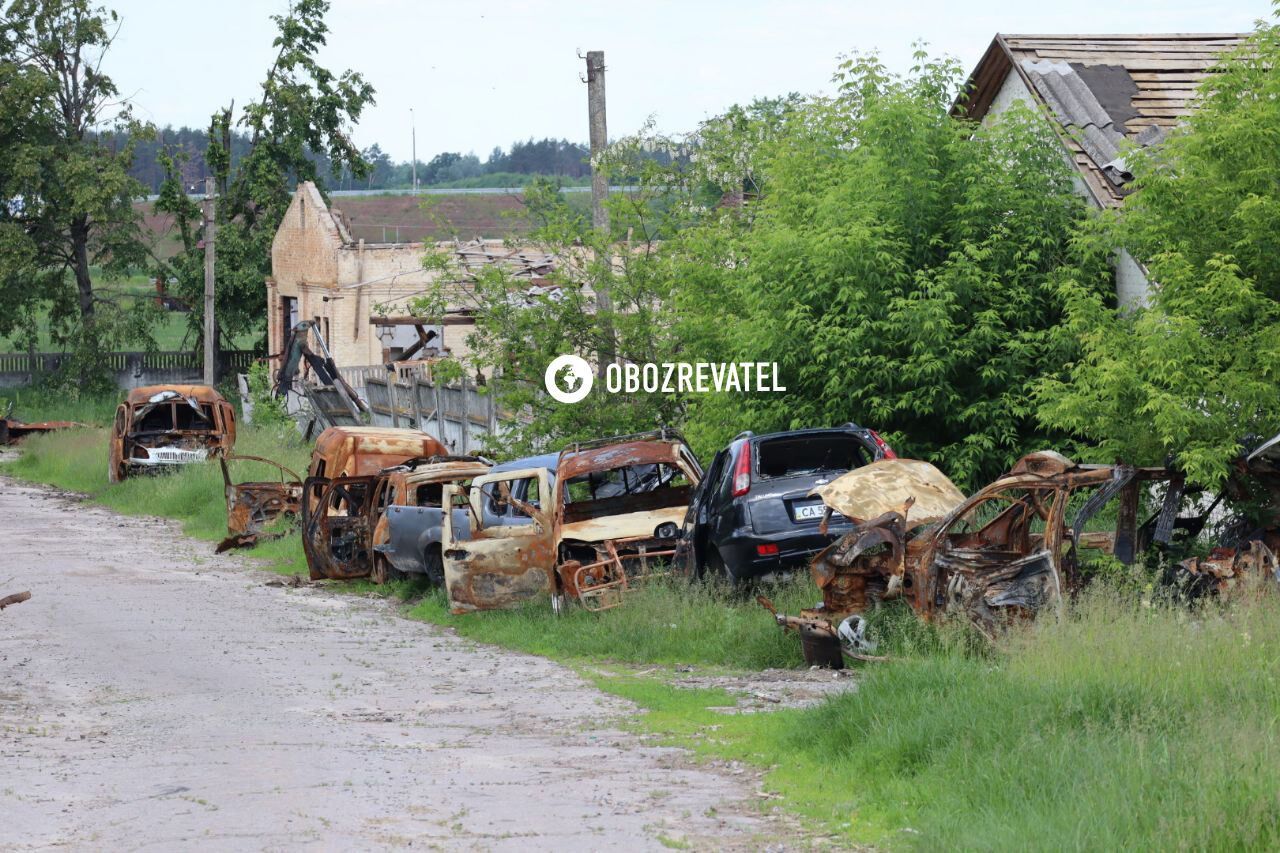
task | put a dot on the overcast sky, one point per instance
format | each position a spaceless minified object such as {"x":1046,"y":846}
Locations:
{"x":479,"y":75}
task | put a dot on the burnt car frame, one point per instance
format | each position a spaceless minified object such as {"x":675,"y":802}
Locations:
{"x":160,"y":426}
{"x":253,"y":505}
{"x":612,"y":519}
{"x":381,"y":526}
{"x":1007,"y":552}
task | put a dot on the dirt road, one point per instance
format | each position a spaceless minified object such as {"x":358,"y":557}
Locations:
{"x":154,"y":697}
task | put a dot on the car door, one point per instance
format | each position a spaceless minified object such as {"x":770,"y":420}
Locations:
{"x":505,"y":561}
{"x":115,"y":453}
{"x":695,"y":529}
{"x":337,"y":525}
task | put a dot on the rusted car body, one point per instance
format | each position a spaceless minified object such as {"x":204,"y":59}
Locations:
{"x":621,"y":505}
{"x":254,"y":505}
{"x":1248,"y":547}
{"x":406,"y":535}
{"x":160,"y":426}
{"x":1007,"y":552}
{"x":337,"y":496}
{"x":13,"y":430}
{"x":610,"y":520}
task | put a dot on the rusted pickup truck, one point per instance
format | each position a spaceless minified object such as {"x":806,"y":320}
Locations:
{"x":164,"y":425}
{"x":356,"y":474}
{"x":610,"y":520}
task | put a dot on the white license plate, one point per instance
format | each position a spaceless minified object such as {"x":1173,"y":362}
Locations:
{"x":806,"y":512}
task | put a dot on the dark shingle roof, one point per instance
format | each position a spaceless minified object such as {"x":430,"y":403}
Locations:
{"x":1101,"y":90}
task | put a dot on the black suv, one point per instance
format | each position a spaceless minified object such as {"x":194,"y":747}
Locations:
{"x":752,"y":513}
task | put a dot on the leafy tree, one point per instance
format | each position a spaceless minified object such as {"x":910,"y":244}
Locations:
{"x":303,"y":116}
{"x":68,"y":197}
{"x":898,"y":264}
{"x":1194,"y":373}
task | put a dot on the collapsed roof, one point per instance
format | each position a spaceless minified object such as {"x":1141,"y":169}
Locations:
{"x":1101,"y":90}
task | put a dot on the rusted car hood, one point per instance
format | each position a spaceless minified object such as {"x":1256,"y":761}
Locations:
{"x":886,"y":485}
{"x":626,"y":526}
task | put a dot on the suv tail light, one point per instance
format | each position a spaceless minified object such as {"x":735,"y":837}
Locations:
{"x":742,"y":471}
{"x":880,"y":443}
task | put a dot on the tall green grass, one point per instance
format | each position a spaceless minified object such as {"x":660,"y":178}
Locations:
{"x":1121,"y":726}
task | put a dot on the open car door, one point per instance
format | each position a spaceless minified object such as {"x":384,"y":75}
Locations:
{"x":337,"y":526}
{"x":506,"y":560}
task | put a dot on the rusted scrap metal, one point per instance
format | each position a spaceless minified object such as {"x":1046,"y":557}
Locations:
{"x":380,"y":514}
{"x":498,"y":564}
{"x":1227,"y":570}
{"x":254,"y":506}
{"x":1006,"y":553}
{"x":13,"y":430}
{"x":609,"y":523}
{"x":15,"y":598}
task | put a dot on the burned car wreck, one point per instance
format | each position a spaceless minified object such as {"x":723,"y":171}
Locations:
{"x":252,"y":506}
{"x":1006,"y":553}
{"x":13,"y":430}
{"x":160,"y":426}
{"x":610,"y":520}
{"x":382,"y":526}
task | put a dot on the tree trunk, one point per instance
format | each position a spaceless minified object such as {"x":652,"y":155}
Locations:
{"x":80,"y":266}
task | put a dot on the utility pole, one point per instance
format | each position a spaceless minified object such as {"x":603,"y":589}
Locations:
{"x":413,"y":137}
{"x":210,"y":326}
{"x":599,"y":192}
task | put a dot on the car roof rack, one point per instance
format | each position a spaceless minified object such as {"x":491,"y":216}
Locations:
{"x":661,"y":434}
{"x":746,"y":433}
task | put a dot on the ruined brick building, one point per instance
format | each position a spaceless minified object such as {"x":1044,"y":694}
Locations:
{"x":353,"y":288}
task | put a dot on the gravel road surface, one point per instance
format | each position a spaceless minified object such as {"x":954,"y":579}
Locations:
{"x":156,"y":697}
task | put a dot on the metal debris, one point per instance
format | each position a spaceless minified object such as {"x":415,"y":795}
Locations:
{"x":13,"y":430}
{"x":253,"y":506}
{"x":1004,"y":554}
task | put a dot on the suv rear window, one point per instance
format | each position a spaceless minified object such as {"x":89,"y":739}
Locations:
{"x":793,"y":456}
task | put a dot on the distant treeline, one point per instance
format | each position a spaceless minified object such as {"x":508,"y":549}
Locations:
{"x":532,"y":157}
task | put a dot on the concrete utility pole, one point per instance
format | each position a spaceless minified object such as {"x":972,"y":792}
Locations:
{"x":210,"y":326}
{"x":413,"y":143}
{"x":599,"y":186}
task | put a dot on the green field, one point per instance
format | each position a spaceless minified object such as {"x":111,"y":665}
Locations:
{"x":1126,"y":724}
{"x":170,"y":331}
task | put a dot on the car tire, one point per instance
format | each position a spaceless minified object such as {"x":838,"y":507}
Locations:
{"x":433,"y":565}
{"x":716,"y":569}
{"x":383,"y":572}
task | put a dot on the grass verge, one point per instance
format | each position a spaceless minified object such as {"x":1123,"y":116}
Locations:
{"x":1122,"y":725}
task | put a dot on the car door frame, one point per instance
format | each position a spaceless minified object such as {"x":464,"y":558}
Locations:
{"x":319,"y":526}
{"x":501,"y":565}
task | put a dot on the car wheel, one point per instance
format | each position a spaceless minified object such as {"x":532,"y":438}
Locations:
{"x":383,"y":571}
{"x":434,"y":566}
{"x":717,"y":569}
